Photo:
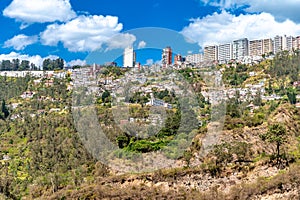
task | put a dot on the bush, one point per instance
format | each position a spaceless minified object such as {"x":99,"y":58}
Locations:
{"x":232,"y":123}
{"x":145,"y":146}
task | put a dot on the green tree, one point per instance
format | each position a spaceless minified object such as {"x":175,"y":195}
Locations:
{"x":291,"y":93}
{"x":16,"y":64}
{"x":187,"y":156}
{"x":276,"y":134}
{"x":257,"y":98}
{"x":58,"y":63}
{"x":5,"y":65}
{"x":25,"y":65}
{"x":47,"y":65}
{"x":105,"y":96}
{"x":4,"y":110}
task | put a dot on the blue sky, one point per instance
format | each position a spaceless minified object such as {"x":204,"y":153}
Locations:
{"x":87,"y":31}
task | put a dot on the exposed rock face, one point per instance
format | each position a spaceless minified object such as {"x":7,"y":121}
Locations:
{"x":260,"y":181}
{"x":205,"y":182}
{"x":293,"y":194}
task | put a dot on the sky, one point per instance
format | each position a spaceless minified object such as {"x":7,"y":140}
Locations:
{"x":97,"y":31}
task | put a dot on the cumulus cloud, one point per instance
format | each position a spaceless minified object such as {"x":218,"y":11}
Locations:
{"x":19,"y":42}
{"x":120,"y":41}
{"x":76,"y":62}
{"x":223,"y":3}
{"x":158,"y":62}
{"x":86,"y":33}
{"x":142,"y":44}
{"x":35,"y":59}
{"x":149,"y":62}
{"x":288,"y":9}
{"x":224,"y":27}
{"x":31,"y":11}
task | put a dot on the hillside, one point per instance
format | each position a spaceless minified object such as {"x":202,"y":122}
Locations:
{"x":255,"y":155}
{"x":259,"y":179}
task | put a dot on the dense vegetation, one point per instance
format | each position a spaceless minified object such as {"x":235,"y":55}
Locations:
{"x":44,"y":151}
{"x":21,"y":65}
{"x":42,"y":156}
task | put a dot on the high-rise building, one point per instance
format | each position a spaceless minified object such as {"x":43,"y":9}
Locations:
{"x":194,"y":58}
{"x":225,"y":52}
{"x":240,"y":49}
{"x":267,"y":46}
{"x":296,"y":43}
{"x":277,"y":45}
{"x":255,"y":48}
{"x":211,"y":53}
{"x":178,"y":59}
{"x":129,"y":57}
{"x":284,"y":43}
{"x":166,"y":58}
{"x":288,"y":43}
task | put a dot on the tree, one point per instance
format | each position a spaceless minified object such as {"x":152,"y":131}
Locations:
{"x":187,"y":156}
{"x":257,"y":98}
{"x":16,"y":64}
{"x":276,"y":134}
{"x":47,"y":64}
{"x":4,"y":110}
{"x":270,"y":88}
{"x":58,"y":63}
{"x":5,"y":65}
{"x":105,"y":96}
{"x":25,"y":65}
{"x":291,"y":93}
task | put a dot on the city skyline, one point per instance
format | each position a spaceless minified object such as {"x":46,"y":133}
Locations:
{"x":255,"y":49}
{"x":235,"y":50}
{"x":73,"y":29}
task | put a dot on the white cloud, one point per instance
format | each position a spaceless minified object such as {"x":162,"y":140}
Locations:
{"x":19,"y":42}
{"x":224,"y":27}
{"x":35,"y":59}
{"x":142,"y":44}
{"x":31,"y":11}
{"x":76,"y":62}
{"x":87,"y":33}
{"x":158,"y":62}
{"x":288,"y":9}
{"x":149,"y":62}
{"x":226,"y":3}
{"x":121,"y":41}
{"x":222,"y":3}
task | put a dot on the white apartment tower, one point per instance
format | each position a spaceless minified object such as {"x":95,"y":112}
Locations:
{"x":194,"y":58}
{"x":289,"y":43}
{"x":255,"y":48}
{"x":211,"y":53}
{"x":224,"y":52}
{"x":240,"y":49}
{"x":285,"y":43}
{"x":267,"y":46}
{"x":129,"y":57}
{"x":260,"y":47}
{"x":277,"y":44}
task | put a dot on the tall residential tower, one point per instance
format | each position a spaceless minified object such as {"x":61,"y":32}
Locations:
{"x":211,"y":53}
{"x":166,"y":58}
{"x":225,"y":52}
{"x":129,"y":57}
{"x":240,"y":49}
